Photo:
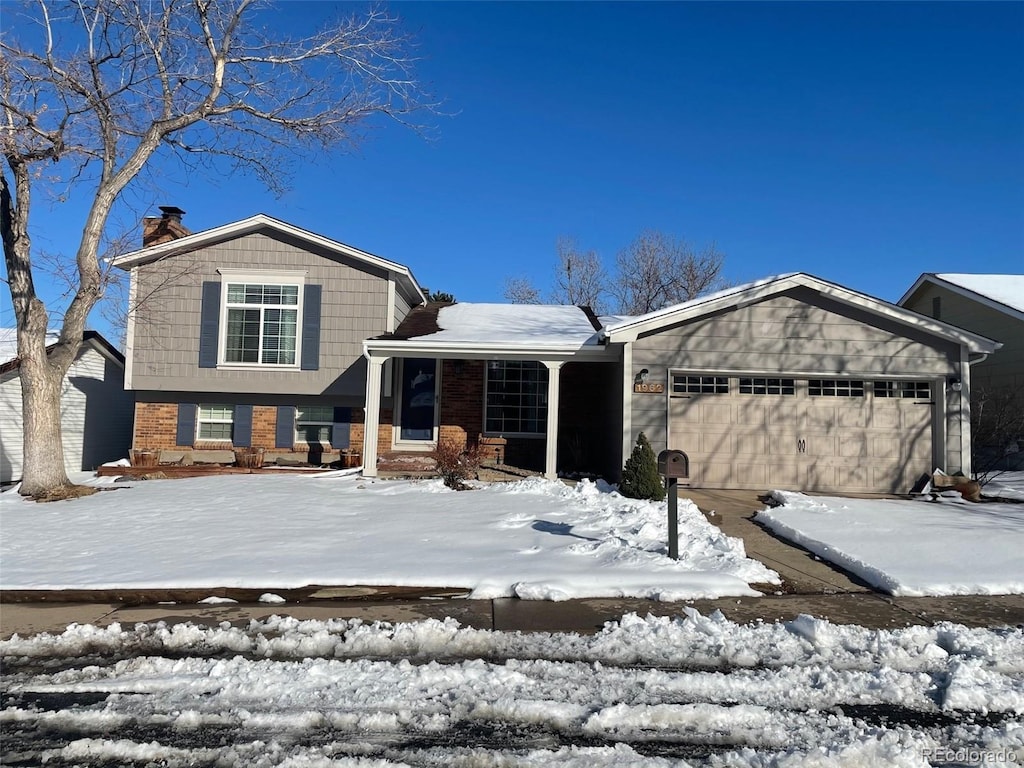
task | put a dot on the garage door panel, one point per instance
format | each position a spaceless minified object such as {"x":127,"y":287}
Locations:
{"x":829,"y":443}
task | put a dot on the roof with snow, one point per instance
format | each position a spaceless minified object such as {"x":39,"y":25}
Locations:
{"x":469,"y":327}
{"x":1002,"y":292}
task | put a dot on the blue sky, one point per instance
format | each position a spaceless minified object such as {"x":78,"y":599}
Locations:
{"x":864,"y":143}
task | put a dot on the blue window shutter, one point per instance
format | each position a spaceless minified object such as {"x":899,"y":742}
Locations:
{"x":342,"y":428}
{"x":241,"y":433}
{"x":310,"y":359}
{"x":284,"y":433}
{"x":209,"y":324}
{"x":186,"y":424}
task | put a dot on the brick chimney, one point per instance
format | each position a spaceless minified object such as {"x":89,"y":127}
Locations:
{"x":164,"y":229}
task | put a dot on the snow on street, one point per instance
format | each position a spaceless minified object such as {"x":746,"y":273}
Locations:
{"x":910,"y":548}
{"x":694,"y":690}
{"x":533,"y":539}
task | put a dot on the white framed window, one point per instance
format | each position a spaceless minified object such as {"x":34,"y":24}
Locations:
{"x":715,"y":385}
{"x":915,"y":390}
{"x":260,"y":317}
{"x":215,"y":423}
{"x":313,"y":424}
{"x":835,"y":388}
{"x":765,"y":386}
{"x":516,"y":398}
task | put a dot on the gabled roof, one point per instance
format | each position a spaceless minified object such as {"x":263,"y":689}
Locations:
{"x":479,"y":330}
{"x":262,"y":222}
{"x":1003,"y":293}
{"x":628,"y":329}
{"x":10,"y":362}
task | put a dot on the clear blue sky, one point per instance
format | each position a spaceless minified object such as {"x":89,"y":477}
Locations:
{"x":863,"y":142}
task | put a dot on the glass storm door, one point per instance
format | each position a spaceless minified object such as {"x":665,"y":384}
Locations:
{"x":419,"y":399}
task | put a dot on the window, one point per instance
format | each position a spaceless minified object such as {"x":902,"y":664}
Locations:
{"x":216,"y":422}
{"x":917,"y":390}
{"x":313,"y":424}
{"x":718,"y":385}
{"x":517,"y":392}
{"x":262,"y":323}
{"x":767,"y":386}
{"x":835,"y":388}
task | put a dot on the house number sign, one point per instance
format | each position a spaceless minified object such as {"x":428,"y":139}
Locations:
{"x":649,"y":387}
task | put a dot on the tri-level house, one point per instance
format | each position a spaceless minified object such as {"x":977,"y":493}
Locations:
{"x":261,"y":334}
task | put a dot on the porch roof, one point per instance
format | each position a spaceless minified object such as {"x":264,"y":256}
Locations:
{"x":492,"y":330}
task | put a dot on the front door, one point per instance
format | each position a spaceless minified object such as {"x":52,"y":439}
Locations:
{"x":418,"y":402}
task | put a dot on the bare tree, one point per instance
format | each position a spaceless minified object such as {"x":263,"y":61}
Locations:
{"x":519,"y":290}
{"x":93,"y":92}
{"x":997,"y":431}
{"x":656,"y":271}
{"x":579,"y":277}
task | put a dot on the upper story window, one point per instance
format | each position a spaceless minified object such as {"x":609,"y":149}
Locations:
{"x":261,"y":317}
{"x":262,"y":323}
{"x":517,"y":397}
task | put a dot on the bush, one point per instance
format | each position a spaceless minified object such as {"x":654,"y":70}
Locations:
{"x":456,"y":462}
{"x":640,"y":478}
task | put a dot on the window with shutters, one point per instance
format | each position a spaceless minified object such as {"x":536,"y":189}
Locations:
{"x":313,"y":424}
{"x":261,"y":318}
{"x":215,"y":422}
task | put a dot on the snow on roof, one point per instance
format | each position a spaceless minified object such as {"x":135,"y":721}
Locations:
{"x":9,"y":342}
{"x":1005,"y":289}
{"x":533,"y":325}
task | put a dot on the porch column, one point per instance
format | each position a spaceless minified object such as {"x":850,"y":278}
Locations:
{"x":551,"y":455}
{"x":372,"y":414}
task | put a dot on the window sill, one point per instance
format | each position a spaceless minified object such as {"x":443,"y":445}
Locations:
{"x":255,"y":367}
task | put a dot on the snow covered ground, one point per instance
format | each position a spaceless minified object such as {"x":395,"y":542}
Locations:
{"x":688,"y":691}
{"x":944,"y":547}
{"x":534,"y":539}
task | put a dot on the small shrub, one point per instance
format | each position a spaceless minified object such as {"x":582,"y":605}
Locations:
{"x":456,"y":462}
{"x":640,"y":478}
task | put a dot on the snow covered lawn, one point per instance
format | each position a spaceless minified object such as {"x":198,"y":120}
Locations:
{"x":948,"y":547}
{"x":534,"y":539}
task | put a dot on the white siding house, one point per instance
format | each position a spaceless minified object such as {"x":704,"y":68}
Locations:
{"x":96,"y":412}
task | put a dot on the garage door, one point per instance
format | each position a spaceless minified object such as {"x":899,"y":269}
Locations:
{"x":802,"y":434}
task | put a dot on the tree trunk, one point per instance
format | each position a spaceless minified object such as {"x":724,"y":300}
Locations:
{"x":43,"y":460}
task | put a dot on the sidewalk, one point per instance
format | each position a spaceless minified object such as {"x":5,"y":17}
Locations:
{"x":867,"y":609}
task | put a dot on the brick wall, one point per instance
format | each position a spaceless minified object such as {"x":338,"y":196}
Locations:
{"x":156,"y":428}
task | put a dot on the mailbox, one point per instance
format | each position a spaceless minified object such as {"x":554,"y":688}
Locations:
{"x":674,"y":465}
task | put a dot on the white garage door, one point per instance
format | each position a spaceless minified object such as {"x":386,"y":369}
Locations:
{"x":802,"y":434}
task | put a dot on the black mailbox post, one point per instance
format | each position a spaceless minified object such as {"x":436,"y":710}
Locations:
{"x":673,"y":466}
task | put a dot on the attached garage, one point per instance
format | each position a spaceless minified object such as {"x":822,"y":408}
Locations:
{"x":795,"y":382}
{"x":820,"y":434}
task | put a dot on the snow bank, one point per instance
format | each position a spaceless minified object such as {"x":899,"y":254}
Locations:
{"x":911,"y":548}
{"x":534,"y":539}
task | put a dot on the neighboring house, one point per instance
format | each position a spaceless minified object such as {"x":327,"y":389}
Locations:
{"x":260,"y":334}
{"x":991,"y":305}
{"x":96,"y":412}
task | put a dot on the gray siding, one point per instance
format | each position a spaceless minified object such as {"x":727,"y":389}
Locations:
{"x":96,"y":416}
{"x":798,"y":331}
{"x":1004,"y":368}
{"x":166,"y":342}
{"x":402,"y":308}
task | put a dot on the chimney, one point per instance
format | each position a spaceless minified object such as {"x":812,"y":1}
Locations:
{"x":164,"y":229}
